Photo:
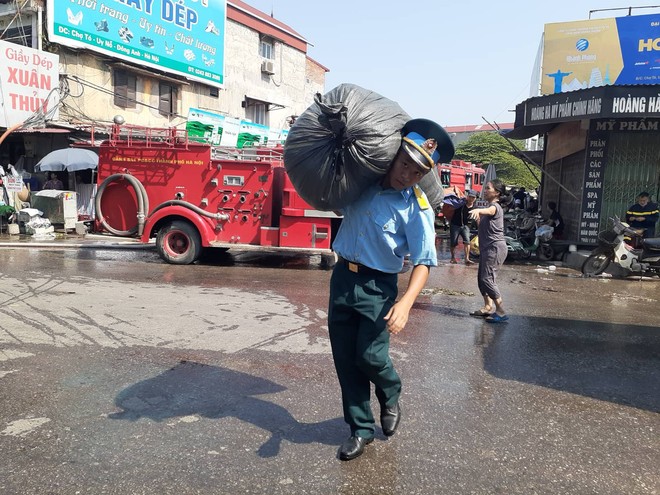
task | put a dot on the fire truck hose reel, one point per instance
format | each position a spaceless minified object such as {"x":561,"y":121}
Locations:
{"x":143,"y":204}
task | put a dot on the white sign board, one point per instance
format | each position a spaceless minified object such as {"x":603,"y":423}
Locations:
{"x":13,"y":184}
{"x":27,"y":77}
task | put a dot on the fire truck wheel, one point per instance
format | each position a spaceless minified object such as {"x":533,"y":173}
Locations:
{"x":179,"y":243}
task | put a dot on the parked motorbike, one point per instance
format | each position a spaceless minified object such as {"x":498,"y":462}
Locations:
{"x":613,"y":249}
{"x":521,"y":224}
{"x":524,"y":248}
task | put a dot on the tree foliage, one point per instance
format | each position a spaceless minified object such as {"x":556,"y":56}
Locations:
{"x":489,"y":147}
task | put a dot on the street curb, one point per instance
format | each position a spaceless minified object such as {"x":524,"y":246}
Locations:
{"x":76,"y":245}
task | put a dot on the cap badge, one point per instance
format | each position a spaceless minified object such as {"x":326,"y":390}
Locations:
{"x":430,"y":145}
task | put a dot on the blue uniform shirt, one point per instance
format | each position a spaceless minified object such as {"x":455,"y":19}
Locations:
{"x":383,"y":226}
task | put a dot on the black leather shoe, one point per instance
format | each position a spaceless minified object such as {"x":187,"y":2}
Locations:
{"x":390,"y":419}
{"x":353,"y":447}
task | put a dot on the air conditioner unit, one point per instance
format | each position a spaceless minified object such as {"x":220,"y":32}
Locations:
{"x":267,"y":67}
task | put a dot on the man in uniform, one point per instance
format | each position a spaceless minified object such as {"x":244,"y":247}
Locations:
{"x":390,"y":220}
{"x":643,"y":214}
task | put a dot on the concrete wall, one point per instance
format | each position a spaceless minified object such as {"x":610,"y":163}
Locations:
{"x":292,"y":87}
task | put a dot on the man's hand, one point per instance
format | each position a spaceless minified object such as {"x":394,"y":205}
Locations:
{"x":397,"y":317}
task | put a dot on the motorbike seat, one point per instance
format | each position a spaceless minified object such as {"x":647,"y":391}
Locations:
{"x":652,"y":243}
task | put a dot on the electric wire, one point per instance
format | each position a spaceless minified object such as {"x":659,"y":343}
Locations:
{"x":17,"y":15}
{"x":113,"y":93}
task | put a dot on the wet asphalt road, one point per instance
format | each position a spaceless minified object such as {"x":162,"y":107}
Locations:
{"x":120,"y":374}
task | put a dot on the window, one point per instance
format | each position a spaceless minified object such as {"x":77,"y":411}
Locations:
{"x":445,"y":177}
{"x":21,"y":35}
{"x":125,"y":88}
{"x":256,"y":111}
{"x":266,"y":48}
{"x":167,"y":100}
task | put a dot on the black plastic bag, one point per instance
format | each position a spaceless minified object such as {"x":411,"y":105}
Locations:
{"x":342,"y":144}
{"x":432,"y":187}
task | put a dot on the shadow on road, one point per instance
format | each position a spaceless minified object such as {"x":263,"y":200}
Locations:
{"x":605,"y":361}
{"x":191,"y":388}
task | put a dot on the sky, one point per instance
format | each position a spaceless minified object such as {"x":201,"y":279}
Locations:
{"x":452,"y":62}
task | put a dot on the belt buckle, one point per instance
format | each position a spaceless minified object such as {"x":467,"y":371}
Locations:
{"x":353,"y":267}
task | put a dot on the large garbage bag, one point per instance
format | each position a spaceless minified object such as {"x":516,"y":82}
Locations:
{"x":342,"y":144}
{"x":432,"y":187}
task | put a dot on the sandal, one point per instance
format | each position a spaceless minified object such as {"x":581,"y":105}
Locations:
{"x":495,"y":318}
{"x":480,"y":313}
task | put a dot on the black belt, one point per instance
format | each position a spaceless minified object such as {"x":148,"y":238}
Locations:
{"x":358,"y":268}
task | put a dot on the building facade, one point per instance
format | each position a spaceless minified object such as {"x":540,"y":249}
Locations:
{"x":602,"y":148}
{"x":267,"y":77}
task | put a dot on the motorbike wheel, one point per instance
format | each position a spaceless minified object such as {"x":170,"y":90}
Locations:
{"x":545,"y":252}
{"x":596,"y":264}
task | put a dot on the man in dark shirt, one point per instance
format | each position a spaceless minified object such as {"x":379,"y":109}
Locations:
{"x":519,"y":197}
{"x":643,"y":214}
{"x":556,"y":221}
{"x":459,"y":226}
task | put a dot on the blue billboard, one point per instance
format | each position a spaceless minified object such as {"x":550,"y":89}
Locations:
{"x":185,"y":37}
{"x":601,"y":52}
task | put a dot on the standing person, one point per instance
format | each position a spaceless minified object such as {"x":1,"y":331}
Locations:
{"x":643,"y":214}
{"x":492,"y":251}
{"x":390,"y":220}
{"x":459,"y":226}
{"x":556,"y":221}
{"x":519,"y":198}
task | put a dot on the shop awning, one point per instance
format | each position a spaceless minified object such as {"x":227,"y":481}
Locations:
{"x":526,"y":132}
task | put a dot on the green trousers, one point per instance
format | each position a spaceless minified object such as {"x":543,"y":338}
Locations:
{"x":360,"y":344}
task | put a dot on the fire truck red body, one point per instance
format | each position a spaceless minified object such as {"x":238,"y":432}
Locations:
{"x":463,"y":175}
{"x":156,"y":183}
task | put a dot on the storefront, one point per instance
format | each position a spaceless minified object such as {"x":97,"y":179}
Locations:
{"x":602,"y":148}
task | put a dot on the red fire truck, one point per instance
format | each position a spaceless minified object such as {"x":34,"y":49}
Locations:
{"x":157,"y":183}
{"x":464,"y":175}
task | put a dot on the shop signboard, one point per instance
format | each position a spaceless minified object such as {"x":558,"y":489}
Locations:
{"x":220,"y":130}
{"x":611,"y":102}
{"x":592,"y":196}
{"x":212,"y":128}
{"x":601,"y":52}
{"x":184,"y":37}
{"x":29,"y":80}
